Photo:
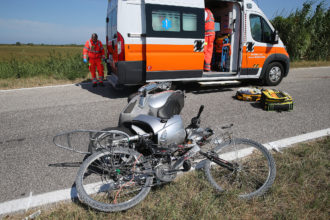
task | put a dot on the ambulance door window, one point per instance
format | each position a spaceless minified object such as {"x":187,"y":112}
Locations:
{"x":166,"y":21}
{"x":260,"y":30}
{"x":174,"y":22}
{"x":114,"y":23}
{"x":267,"y":32}
{"x":256,"y":28}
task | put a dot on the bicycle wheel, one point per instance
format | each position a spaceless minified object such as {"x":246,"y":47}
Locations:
{"x":113,"y":180}
{"x":103,"y":140}
{"x":250,"y":172}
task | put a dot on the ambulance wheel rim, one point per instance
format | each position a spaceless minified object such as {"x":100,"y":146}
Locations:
{"x":275,"y":74}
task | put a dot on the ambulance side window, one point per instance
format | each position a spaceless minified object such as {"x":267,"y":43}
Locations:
{"x":189,"y":22}
{"x":260,"y":30}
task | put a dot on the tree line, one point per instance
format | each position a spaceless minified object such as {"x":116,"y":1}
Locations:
{"x":306,"y":32}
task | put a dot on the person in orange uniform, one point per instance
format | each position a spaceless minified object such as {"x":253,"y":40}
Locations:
{"x":94,"y":51}
{"x":209,"y":39}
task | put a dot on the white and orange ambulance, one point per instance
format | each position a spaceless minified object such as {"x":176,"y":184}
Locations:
{"x":163,"y":40}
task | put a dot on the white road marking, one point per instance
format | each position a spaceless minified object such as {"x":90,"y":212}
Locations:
{"x":66,"y":194}
{"x":45,"y":87}
{"x":29,"y":202}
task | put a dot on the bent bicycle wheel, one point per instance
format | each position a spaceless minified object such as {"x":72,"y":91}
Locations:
{"x":103,"y":140}
{"x":113,"y":180}
{"x":248,"y":169}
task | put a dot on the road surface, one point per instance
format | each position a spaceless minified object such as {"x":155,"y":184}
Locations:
{"x":29,"y":118}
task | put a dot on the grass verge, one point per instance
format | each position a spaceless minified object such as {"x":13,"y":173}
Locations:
{"x":300,"y":64}
{"x":301,"y":191}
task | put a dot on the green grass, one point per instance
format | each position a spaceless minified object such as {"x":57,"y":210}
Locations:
{"x":36,"y":52}
{"x":299,"y":64}
{"x":301,"y":191}
{"x":58,"y":63}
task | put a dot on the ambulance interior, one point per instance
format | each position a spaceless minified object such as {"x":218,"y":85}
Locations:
{"x":226,"y":55}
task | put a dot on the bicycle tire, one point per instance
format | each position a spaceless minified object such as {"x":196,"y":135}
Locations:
{"x":87,"y":170}
{"x":227,"y":179}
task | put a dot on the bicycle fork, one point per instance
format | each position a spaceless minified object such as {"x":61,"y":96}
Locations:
{"x":221,"y":162}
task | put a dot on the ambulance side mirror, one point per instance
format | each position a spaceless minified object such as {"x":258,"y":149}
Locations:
{"x":275,"y":37}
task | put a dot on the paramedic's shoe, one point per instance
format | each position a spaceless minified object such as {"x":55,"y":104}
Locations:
{"x":101,"y":84}
{"x":94,"y":84}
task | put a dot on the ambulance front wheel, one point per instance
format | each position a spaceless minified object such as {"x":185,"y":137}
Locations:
{"x":274,"y":74}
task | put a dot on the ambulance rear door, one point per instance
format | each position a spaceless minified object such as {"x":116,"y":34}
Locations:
{"x":174,"y":39}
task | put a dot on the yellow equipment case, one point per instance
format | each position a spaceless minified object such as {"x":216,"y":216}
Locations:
{"x":248,"y":94}
{"x":275,"y":100}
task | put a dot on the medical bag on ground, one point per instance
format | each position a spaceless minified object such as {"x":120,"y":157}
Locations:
{"x":276,"y":100}
{"x":248,"y":94}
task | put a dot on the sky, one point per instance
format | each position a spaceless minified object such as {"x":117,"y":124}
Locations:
{"x":73,"y":21}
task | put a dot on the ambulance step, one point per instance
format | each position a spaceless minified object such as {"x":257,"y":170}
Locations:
{"x":232,"y":82}
{"x":218,"y":74}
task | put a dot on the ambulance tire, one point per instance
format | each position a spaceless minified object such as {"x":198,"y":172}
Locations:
{"x":274,"y":74}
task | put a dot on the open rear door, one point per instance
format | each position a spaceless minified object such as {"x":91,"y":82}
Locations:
{"x":174,"y":41}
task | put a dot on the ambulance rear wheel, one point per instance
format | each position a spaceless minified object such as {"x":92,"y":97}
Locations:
{"x":274,"y":74}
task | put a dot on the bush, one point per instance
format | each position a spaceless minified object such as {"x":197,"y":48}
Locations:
{"x":306,"y":34}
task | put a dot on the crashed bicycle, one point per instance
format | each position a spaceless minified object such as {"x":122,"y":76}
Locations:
{"x":151,"y":146}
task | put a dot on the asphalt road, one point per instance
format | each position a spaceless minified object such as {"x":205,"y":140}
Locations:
{"x":30,"y":162}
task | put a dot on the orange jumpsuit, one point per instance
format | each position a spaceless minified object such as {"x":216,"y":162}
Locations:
{"x":95,"y":53}
{"x":209,"y":39}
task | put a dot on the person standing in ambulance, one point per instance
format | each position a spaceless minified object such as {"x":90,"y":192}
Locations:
{"x":94,"y":51}
{"x":209,"y":39}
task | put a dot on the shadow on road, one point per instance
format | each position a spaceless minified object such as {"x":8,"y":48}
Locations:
{"x":108,"y":91}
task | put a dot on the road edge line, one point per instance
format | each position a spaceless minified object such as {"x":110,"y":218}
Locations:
{"x":71,"y":193}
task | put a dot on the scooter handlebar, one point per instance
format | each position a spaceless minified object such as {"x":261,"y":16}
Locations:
{"x":155,"y":85}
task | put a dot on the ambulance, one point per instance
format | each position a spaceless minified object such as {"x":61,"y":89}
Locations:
{"x":163,"y":40}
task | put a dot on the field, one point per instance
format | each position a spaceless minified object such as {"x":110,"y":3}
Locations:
{"x":28,"y":66}
{"x":300,"y":191}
